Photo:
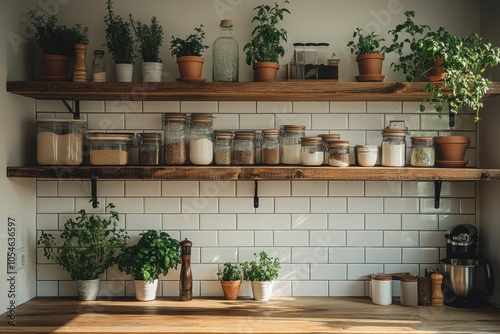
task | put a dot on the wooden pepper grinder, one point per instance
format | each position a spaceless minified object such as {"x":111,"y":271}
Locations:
{"x":437,"y":298}
{"x":186,"y":278}
{"x":80,"y":72}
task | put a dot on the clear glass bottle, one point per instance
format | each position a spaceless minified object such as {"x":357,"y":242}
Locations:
{"x":244,"y":148}
{"x":290,"y":144}
{"x":223,"y":148}
{"x":201,"y":148}
{"x":311,"y":153}
{"x":339,"y":153}
{"x":176,"y":136}
{"x":393,"y":147}
{"x":422,"y":152}
{"x":271,"y":147}
{"x":98,"y":67}
{"x":225,"y":55}
{"x":149,"y":148}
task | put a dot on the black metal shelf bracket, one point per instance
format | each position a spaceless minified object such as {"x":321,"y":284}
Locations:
{"x":93,"y":191}
{"x":76,"y":111}
{"x":256,"y":195}
{"x":437,"y":193}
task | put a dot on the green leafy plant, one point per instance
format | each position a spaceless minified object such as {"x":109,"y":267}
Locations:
{"x":150,"y":38}
{"x":119,"y":37}
{"x":89,"y":244}
{"x":366,"y":43}
{"x":192,"y":45}
{"x":262,"y":268}
{"x":265,"y":45}
{"x":230,"y":272}
{"x":54,"y":38}
{"x":154,"y":254}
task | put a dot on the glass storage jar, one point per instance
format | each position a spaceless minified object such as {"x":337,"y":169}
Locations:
{"x":311,"y":153}
{"x":325,"y":138}
{"x":60,"y":141}
{"x":339,"y":153}
{"x":393,"y":147}
{"x":366,"y":155}
{"x":225,"y":55}
{"x":258,"y":147}
{"x":109,"y":148}
{"x":149,"y":148}
{"x":176,"y":134}
{"x":422,"y":152}
{"x":201,"y":148}
{"x":223,"y":148}
{"x":290,"y":143}
{"x":271,"y":147}
{"x":98,"y":67}
{"x":244,"y":148}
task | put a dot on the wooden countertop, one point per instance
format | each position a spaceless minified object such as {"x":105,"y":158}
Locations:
{"x":280,"y":315}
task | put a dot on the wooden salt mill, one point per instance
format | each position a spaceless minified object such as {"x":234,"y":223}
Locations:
{"x":80,"y":72}
{"x":437,"y":298}
{"x":186,"y":278}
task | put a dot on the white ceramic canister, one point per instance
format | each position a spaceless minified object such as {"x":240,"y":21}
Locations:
{"x":382,"y":289}
{"x":409,"y":291}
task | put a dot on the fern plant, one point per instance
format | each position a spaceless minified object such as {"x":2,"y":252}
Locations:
{"x":149,"y":37}
{"x":119,"y":37}
{"x":192,"y":45}
{"x":262,"y":268}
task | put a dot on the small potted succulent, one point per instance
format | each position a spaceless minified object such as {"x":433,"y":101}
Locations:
{"x":261,"y":272}
{"x":230,"y":280}
{"x":150,"y":38}
{"x":265,"y":49}
{"x":188,"y":52}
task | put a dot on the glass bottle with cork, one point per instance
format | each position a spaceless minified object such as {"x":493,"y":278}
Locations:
{"x":225,"y":55}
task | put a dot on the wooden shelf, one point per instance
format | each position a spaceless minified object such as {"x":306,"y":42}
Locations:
{"x":319,"y":90}
{"x":253,"y":173}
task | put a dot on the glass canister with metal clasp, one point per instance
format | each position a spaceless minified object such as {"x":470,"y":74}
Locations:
{"x":244,"y":148}
{"x":223,"y":148}
{"x":394,"y":145}
{"x":176,"y":127}
{"x":201,"y":146}
{"x":339,"y":153}
{"x":326,"y":137}
{"x":290,"y":143}
{"x":149,"y":148}
{"x":422,"y":152}
{"x":311,"y":153}
{"x":271,"y":147}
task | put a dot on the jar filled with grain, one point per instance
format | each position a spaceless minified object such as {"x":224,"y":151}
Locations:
{"x":149,"y":148}
{"x":422,"y":152}
{"x":290,"y":143}
{"x":393,"y":147}
{"x":339,"y":153}
{"x":244,"y":148}
{"x":60,"y":141}
{"x":311,"y":153}
{"x":271,"y":147}
{"x":176,"y":135}
{"x":109,"y":148}
{"x":223,"y":148}
{"x":259,"y":137}
{"x":326,"y":148}
{"x":201,"y":146}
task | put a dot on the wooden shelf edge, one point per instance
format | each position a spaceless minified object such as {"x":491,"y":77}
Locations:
{"x":235,"y":173}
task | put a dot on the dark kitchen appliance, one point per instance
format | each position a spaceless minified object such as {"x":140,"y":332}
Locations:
{"x":467,"y":276}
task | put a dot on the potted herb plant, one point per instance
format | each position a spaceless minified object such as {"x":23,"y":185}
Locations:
{"x":188,"y":53}
{"x":369,"y":55}
{"x":150,"y":38}
{"x":120,"y":43}
{"x":230,"y":280}
{"x":265,"y":49}
{"x":261,"y":272}
{"x":153,"y":255}
{"x":89,"y":244}
{"x":57,"y":43}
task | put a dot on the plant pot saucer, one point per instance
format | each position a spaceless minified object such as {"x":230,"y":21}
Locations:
{"x":435,"y":78}
{"x":451,"y":164}
{"x":191,"y":79}
{"x":370,"y":78}
{"x":55,"y":78}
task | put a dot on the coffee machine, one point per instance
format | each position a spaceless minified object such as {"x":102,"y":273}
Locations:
{"x":467,"y":277}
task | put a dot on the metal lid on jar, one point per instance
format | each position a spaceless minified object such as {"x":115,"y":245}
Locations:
{"x":294,"y":128}
{"x":202,"y":118}
{"x":175,"y":117}
{"x":338,"y":143}
{"x":271,"y":133}
{"x":394,"y":132}
{"x":223,"y":134}
{"x":308,"y":141}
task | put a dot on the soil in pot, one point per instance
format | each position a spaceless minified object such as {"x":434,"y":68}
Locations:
{"x":265,"y":71}
{"x":451,"y":148}
{"x":190,"y":68}
{"x":231,"y":289}
{"x":370,"y":67}
{"x":55,"y":67}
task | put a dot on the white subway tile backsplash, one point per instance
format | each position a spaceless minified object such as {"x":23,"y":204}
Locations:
{"x":383,"y":255}
{"x":383,"y":107}
{"x":346,"y":188}
{"x":266,"y":205}
{"x":205,"y":271}
{"x":73,"y":188}
{"x":328,"y":204}
{"x":383,"y":188}
{"x":144,"y":122}
{"x":46,"y":221}
{"x":347,"y":107}
{"x":55,"y":205}
{"x":219,"y":255}
{"x":309,"y":221}
{"x":432,"y":239}
{"x":124,"y":106}
{"x":346,"y":288}
{"x":181,"y":222}
{"x":111,"y":188}
{"x":211,"y":288}
{"x":161,"y":106}
{"x":263,"y":221}
{"x":329,"y":121}
{"x":51,"y":272}
{"x":446,"y":205}
{"x":467,"y":206}
{"x":412,"y":122}
{"x":237,"y":107}
{"x":291,"y":205}
{"x":188,"y":107}
{"x":180,"y":188}
{"x":346,"y":255}
{"x":47,"y":288}
{"x":300,"y":119}
{"x":142,"y":188}
{"x":365,"y":205}
{"x":269,"y":188}
{"x":199,"y":205}
{"x":92,"y":106}
{"x":420,"y":255}
{"x":310,"y":188}
{"x":401,"y":205}
{"x":106,"y":122}
{"x":46,"y":188}
{"x":236,"y":238}
{"x":236,"y":205}
{"x":291,"y":238}
{"x":67,"y":288}
{"x":264,"y":238}
{"x":252,"y":121}
{"x":311,"y":107}
{"x":327,"y":238}
{"x":294,"y":272}
{"x":346,"y":221}
{"x":363,"y":271}
{"x":162,"y":205}
{"x":226,"y":122}
{"x":218,"y":221}
{"x":364,"y":238}
{"x":309,"y":288}
{"x":265,"y":107}
{"x":51,"y":106}
{"x":366,"y":122}
{"x":249,"y":254}
{"x":383,"y":222}
{"x":201,"y":238}
{"x":309,"y":254}
{"x":419,"y":222}
{"x":400,"y":238}
{"x":446,"y":221}
{"x":127,"y":205}
{"x":143,"y":222}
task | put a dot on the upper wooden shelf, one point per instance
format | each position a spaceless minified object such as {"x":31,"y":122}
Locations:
{"x":318,"y":90}
{"x":253,"y":173}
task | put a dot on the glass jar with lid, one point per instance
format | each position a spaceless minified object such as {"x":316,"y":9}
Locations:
{"x":244,"y":148}
{"x":290,"y":143}
{"x":339,"y":153}
{"x":311,"y":153}
{"x":225,"y":55}
{"x":366,"y":155}
{"x":258,"y":146}
{"x":176,"y":135}
{"x":109,"y":148}
{"x":422,"y":152}
{"x":326,"y":137}
{"x":271,"y":147}
{"x":223,"y":148}
{"x":98,"y":67}
{"x":393,"y":147}
{"x":149,"y":148}
{"x":201,"y":150}
{"x":60,"y":141}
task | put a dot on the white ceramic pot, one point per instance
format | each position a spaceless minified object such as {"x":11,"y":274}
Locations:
{"x":124,"y":72}
{"x":262,"y":290}
{"x":87,"y":289}
{"x":151,"y":72}
{"x":145,"y":291}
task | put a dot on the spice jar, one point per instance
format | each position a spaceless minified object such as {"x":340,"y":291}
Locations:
{"x":149,"y":148}
{"x":201,"y":151}
{"x":109,"y":148}
{"x":311,"y":153}
{"x":339,"y":153}
{"x":271,"y":147}
{"x":409,"y":291}
{"x":366,"y":155}
{"x":244,"y":148}
{"x":422,"y":152}
{"x":382,"y":289}
{"x":325,"y":138}
{"x":60,"y":141}
{"x":290,"y":143}
{"x":176,"y":134}
{"x":223,"y":148}
{"x":394,"y":147}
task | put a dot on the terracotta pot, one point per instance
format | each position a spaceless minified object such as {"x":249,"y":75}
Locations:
{"x":231,"y":289}
{"x":190,"y":67}
{"x":370,"y":67}
{"x":436,"y":73}
{"x":265,"y":71}
{"x":451,"y":148}
{"x":56,"y":67}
